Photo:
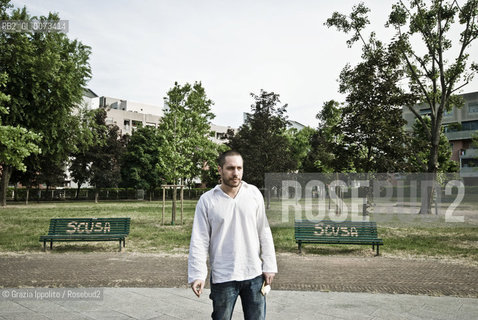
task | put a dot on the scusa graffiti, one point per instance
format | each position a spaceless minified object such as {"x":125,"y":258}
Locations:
{"x":335,"y":231}
{"x":88,"y":227}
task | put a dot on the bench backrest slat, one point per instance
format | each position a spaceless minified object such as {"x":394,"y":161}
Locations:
{"x":70,"y":226}
{"x":331,"y":229}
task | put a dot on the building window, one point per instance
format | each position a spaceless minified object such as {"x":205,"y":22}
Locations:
{"x":469,"y":163}
{"x":137,"y":124}
{"x":126,"y":124}
{"x":221,"y":136}
{"x":470,"y":125}
{"x":473,"y":107}
{"x":452,"y":127}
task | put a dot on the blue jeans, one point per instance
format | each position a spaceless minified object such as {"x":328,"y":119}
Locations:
{"x":224,"y":296}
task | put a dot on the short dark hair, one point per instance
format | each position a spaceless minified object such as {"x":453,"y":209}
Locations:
{"x":222,"y":157}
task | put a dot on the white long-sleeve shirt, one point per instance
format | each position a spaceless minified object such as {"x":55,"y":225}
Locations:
{"x":236,"y":234}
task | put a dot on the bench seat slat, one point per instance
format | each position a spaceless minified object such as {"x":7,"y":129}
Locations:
{"x":85,"y":236}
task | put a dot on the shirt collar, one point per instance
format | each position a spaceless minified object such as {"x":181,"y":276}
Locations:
{"x":217,"y":188}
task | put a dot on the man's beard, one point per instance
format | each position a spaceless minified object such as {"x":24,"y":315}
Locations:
{"x":233,"y":182}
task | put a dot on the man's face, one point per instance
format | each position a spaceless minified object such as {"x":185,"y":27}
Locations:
{"x":231,"y":172}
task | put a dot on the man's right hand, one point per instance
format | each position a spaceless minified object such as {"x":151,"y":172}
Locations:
{"x":197,"y":287}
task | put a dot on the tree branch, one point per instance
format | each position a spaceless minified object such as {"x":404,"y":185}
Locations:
{"x":461,"y":86}
{"x":415,"y":75}
{"x":464,"y":45}
{"x":420,"y":118}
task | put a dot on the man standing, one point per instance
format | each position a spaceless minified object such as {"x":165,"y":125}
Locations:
{"x":230,"y":224}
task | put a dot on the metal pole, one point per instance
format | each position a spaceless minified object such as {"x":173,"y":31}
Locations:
{"x":164,"y":201}
{"x":182,"y":197}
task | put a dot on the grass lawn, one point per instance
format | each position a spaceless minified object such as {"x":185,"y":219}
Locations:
{"x":21,"y":227}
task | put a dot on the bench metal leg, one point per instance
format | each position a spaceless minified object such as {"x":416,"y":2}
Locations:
{"x":378,"y":253}
{"x":124,"y":243}
{"x":300,"y":246}
{"x":44,"y":246}
{"x":120,"y":245}
{"x":51,"y":245}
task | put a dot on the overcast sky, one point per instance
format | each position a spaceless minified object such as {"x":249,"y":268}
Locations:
{"x":140,"y":48}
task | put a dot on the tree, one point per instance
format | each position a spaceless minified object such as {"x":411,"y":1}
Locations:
{"x":431,"y":77}
{"x":106,"y":156}
{"x":139,"y":164}
{"x":184,"y":131}
{"x":262,"y":139}
{"x":46,"y":76}
{"x":91,"y":135}
{"x":300,"y":145}
{"x":372,"y":122}
{"x":16,"y":143}
{"x":328,"y":153}
{"x":434,"y":77}
{"x":420,"y":149}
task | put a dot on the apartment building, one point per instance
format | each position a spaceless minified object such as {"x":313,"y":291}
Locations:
{"x":128,"y":115}
{"x":219,"y":134}
{"x":460,"y":124}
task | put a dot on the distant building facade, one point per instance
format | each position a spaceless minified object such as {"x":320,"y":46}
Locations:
{"x":294,"y":124}
{"x":290,"y":123}
{"x":128,"y":115}
{"x":220,"y":134}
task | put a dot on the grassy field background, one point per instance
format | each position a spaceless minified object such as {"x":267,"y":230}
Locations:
{"x":22,"y":225}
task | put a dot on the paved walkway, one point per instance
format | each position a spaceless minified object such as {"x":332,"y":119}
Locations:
{"x":152,"y":286}
{"x":180,"y":303}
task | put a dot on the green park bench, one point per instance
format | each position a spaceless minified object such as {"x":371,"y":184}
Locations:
{"x":87,"y":229}
{"x":331,"y":232}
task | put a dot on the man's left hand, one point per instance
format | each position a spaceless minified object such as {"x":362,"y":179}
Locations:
{"x":268,"y":277}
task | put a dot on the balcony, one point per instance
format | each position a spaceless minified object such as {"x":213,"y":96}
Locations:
{"x":469,"y":172}
{"x":469,"y":163}
{"x":460,"y":135}
{"x":470,"y":154}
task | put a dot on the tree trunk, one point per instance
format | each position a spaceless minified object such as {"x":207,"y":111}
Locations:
{"x":78,"y":191}
{"x":97,"y":193}
{"x":27,"y":196}
{"x":369,"y":200}
{"x":6,"y":173}
{"x":182,"y":204}
{"x":46,"y":191}
{"x":427,"y":198}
